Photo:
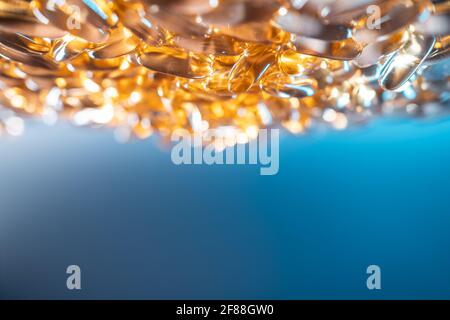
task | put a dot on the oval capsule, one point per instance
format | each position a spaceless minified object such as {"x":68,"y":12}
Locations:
{"x":347,"y":49}
{"x":90,"y":20}
{"x":284,"y":86}
{"x":310,"y":26}
{"x":247,"y":20}
{"x":176,"y":62}
{"x":121,"y":42}
{"x":250,"y":67}
{"x":402,"y":65}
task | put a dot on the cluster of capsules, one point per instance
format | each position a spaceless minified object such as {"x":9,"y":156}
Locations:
{"x":227,"y":66}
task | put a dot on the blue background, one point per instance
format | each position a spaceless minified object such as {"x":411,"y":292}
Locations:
{"x":140,"y":227}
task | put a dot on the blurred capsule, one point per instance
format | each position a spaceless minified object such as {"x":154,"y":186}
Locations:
{"x":247,"y":20}
{"x":441,"y":50}
{"x":373,"y":52}
{"x":250,"y":67}
{"x":121,"y":42}
{"x":438,"y":24}
{"x":347,"y":49}
{"x":85,"y":63}
{"x":29,"y":51}
{"x":284,"y":86}
{"x":16,"y":17}
{"x":177,"y":62}
{"x":310,"y":26}
{"x":68,"y":47}
{"x":393,"y":16}
{"x":402,"y":65}
{"x":293,"y":62}
{"x":89,"y":20}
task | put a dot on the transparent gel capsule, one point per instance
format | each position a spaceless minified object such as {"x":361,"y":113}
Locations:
{"x":284,"y":86}
{"x":25,"y":50}
{"x":393,"y":16}
{"x":293,"y":62}
{"x":121,"y":42}
{"x":346,"y":12}
{"x":248,"y":20}
{"x":175,"y":62}
{"x":309,"y":26}
{"x":68,"y":47}
{"x":16,"y":17}
{"x":89,"y":20}
{"x":135,"y":17}
{"x":347,"y":49}
{"x":441,"y":50}
{"x":24,"y":44}
{"x":250,"y":67}
{"x":438,"y":24}
{"x":187,"y":33}
{"x":185,"y":7}
{"x":84,"y":62}
{"x":402,"y":65}
{"x":373,"y":52}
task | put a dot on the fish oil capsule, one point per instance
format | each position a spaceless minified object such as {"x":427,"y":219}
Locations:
{"x":402,"y":65}
{"x":175,"y":61}
{"x":284,"y":86}
{"x":185,"y":32}
{"x":24,"y":44}
{"x":89,"y":20}
{"x":19,"y":53}
{"x":250,"y":67}
{"x":373,"y":52}
{"x":121,"y":42}
{"x":68,"y":47}
{"x":347,"y":49}
{"x":84,"y":62}
{"x":247,"y":20}
{"x":134,"y":16}
{"x":394,"y":16}
{"x":16,"y":17}
{"x":441,"y":50}
{"x":310,"y":26}
{"x":293,"y":62}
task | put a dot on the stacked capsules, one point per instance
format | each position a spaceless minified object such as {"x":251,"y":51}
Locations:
{"x":233,"y":66}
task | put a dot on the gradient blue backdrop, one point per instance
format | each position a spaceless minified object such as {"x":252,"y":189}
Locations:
{"x":141,"y":227}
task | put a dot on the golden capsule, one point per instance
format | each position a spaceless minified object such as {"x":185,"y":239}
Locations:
{"x":440,"y":51}
{"x":293,"y":62}
{"x":284,"y":86}
{"x":402,"y":65}
{"x":175,"y":61}
{"x":310,"y":26}
{"x":347,"y":49}
{"x":68,"y":47}
{"x":16,"y":17}
{"x":169,"y":27}
{"x":247,"y":20}
{"x":24,"y":44}
{"x":250,"y":67}
{"x":88,"y":20}
{"x":373,"y":52}
{"x":135,"y":16}
{"x":84,"y":62}
{"x":393,"y":16}
{"x":25,"y":50}
{"x":121,"y":42}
